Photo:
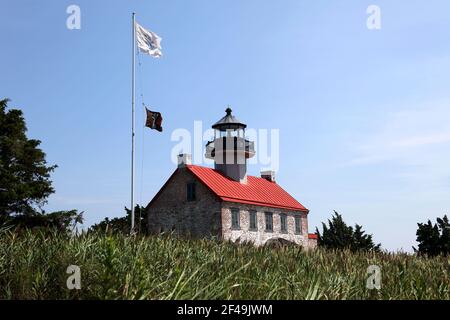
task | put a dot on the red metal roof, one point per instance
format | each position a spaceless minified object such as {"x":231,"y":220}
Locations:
{"x":256,"y":191}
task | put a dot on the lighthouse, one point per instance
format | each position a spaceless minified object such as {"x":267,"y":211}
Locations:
{"x":230,"y":149}
{"x":224,"y":202}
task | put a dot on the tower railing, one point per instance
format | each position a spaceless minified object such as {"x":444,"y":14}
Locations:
{"x":249,"y":147}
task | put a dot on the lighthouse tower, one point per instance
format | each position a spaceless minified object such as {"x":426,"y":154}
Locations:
{"x":229,"y":149}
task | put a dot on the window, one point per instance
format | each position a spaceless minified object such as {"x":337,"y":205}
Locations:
{"x":269,"y":221}
{"x":298,"y":225}
{"x":235,"y":219}
{"x":190,"y":191}
{"x":253,"y":221}
{"x":283,"y":222}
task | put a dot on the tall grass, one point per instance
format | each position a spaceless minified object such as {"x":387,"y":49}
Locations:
{"x":33,"y":266}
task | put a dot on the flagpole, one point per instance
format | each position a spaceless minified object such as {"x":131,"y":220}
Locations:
{"x":132,"y":120}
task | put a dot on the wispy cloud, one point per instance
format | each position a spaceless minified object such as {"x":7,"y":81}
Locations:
{"x":409,"y":136}
{"x":424,"y":140}
{"x":415,"y":139}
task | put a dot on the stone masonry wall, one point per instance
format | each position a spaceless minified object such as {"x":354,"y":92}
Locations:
{"x":260,"y":236}
{"x":312,"y":243}
{"x":172,"y":212}
{"x":207,"y":216}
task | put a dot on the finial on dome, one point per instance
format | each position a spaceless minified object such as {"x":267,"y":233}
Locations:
{"x":228,"y":110}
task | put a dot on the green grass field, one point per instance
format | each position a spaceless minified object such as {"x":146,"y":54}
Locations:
{"x":33,"y":266}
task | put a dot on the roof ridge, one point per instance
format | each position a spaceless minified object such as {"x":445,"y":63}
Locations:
{"x":195,"y":165}
{"x":257,"y":191}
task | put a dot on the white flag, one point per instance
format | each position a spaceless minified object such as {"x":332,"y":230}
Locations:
{"x":148,"y":42}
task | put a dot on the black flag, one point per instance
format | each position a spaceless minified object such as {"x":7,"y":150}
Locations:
{"x":154,"y":120}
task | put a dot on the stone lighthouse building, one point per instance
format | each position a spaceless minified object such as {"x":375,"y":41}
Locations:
{"x":224,"y":201}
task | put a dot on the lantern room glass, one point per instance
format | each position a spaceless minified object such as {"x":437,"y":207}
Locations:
{"x":240,"y":133}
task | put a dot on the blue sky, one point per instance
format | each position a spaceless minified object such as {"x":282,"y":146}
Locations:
{"x":363,"y":114}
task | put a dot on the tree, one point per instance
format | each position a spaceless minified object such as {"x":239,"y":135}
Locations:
{"x":25,"y":179}
{"x":60,"y":221}
{"x":24,"y":175}
{"x":434,"y":239}
{"x":123,"y":224}
{"x":337,"y":235}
